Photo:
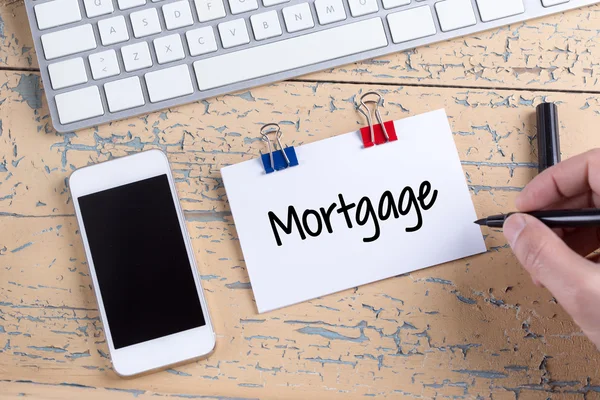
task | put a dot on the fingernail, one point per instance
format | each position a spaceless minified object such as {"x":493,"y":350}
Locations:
{"x":513,"y":227}
{"x":520,"y":198}
{"x":518,"y":201}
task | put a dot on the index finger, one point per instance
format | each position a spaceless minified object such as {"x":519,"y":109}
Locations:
{"x":572,"y":177}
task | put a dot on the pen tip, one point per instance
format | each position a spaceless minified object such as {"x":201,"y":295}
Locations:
{"x":481,"y":221}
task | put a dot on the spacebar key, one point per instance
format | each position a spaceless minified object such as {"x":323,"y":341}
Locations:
{"x":169,"y":83}
{"x":291,"y":53}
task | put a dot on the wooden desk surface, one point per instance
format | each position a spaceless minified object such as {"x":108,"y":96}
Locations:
{"x":475,"y":328}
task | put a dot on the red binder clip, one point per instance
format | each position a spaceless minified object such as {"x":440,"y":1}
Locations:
{"x":375,"y":134}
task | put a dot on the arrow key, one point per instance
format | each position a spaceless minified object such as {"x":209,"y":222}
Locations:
{"x":104,"y":64}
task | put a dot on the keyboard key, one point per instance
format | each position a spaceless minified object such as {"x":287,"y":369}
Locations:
{"x":145,"y":22}
{"x":550,"y":3}
{"x":288,"y":54}
{"x":68,"y":41}
{"x":177,"y":14}
{"x":79,"y":105}
{"x":362,"y":7}
{"x":387,"y":4}
{"x":209,"y":9}
{"x":240,"y":6}
{"x":136,"y":56}
{"x":455,"y":14}
{"x":67,"y":73}
{"x":201,"y":41}
{"x":125,"y":4}
{"x":113,"y":30}
{"x":233,"y":33}
{"x":168,"y":48}
{"x":104,"y":64}
{"x":268,"y":3}
{"x":57,"y":13}
{"x":266,"y":25}
{"x":298,"y":17}
{"x":411,"y":24}
{"x":124,"y":94}
{"x":491,"y":10}
{"x":329,"y":11}
{"x":169,"y":83}
{"x":95,"y":8}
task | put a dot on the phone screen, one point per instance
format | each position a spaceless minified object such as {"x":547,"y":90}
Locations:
{"x":141,"y":263}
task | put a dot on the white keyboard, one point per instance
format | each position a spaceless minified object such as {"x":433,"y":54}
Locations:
{"x":103,"y":60}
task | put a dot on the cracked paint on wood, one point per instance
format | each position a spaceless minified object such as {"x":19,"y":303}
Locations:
{"x":472,"y":328}
{"x":558,"y":52}
{"x":16,"y":43}
{"x":494,"y":132}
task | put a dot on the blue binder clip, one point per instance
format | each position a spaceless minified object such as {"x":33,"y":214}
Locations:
{"x":277,"y":160}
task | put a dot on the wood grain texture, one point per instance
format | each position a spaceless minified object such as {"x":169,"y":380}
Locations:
{"x":474,"y":327}
{"x":558,"y":52}
{"x":16,"y":43}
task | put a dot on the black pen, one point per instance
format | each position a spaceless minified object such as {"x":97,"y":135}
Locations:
{"x":551,"y":218}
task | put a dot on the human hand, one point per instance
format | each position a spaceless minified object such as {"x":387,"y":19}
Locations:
{"x":557,"y":259}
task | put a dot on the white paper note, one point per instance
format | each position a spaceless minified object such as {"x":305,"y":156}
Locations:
{"x":286,"y":269}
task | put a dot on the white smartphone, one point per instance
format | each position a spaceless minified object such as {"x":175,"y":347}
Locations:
{"x":142,"y":263}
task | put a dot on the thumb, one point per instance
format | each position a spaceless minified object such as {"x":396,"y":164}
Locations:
{"x":573,"y":280}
